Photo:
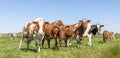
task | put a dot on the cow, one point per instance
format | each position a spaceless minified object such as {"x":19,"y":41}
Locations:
{"x":66,"y":32}
{"x":108,"y":35}
{"x":112,"y":35}
{"x":50,"y":32}
{"x":69,"y":33}
{"x":0,"y":35}
{"x":82,"y":31}
{"x":59,"y":31}
{"x":33,"y":30}
{"x":13,"y":36}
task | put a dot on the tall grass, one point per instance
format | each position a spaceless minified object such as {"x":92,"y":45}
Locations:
{"x":112,"y":51}
{"x":99,"y":49}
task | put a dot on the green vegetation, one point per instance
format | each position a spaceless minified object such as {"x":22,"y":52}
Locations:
{"x":99,"y":49}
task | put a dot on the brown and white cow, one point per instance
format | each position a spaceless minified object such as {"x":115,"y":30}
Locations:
{"x":51,"y":32}
{"x":13,"y":36}
{"x":33,"y":30}
{"x":82,"y":31}
{"x":108,"y":35}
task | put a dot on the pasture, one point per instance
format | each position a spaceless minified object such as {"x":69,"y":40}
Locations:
{"x":99,"y":49}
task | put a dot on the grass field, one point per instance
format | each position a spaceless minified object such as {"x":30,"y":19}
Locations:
{"x":99,"y":49}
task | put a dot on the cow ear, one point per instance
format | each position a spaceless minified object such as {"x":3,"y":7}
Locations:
{"x":92,"y":25}
{"x":80,"y":21}
{"x":101,"y":25}
{"x":88,"y":21}
{"x":66,"y":27}
{"x":35,"y":22}
{"x":46,"y":23}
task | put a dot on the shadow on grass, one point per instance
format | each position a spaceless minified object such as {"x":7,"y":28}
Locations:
{"x":101,"y":42}
{"x":26,"y":50}
{"x":55,"y":48}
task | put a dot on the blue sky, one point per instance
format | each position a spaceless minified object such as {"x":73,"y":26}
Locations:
{"x":15,"y":13}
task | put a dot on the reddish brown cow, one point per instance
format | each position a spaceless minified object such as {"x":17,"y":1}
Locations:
{"x":60,"y":34}
{"x":69,"y":33}
{"x":107,"y":36}
{"x":66,"y":33}
{"x":49,"y":31}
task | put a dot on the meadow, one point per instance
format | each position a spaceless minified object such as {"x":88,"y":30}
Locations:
{"x":99,"y":49}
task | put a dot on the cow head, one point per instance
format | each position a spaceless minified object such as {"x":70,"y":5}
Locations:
{"x":84,"y":23}
{"x":58,"y":23}
{"x":99,"y":26}
{"x":84,"y":26}
{"x":95,"y":29}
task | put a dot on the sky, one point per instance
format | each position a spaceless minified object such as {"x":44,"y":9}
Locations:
{"x":15,"y":13}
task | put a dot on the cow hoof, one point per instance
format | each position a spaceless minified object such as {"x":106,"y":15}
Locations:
{"x":70,"y":44}
{"x":78,"y":46}
{"x":38,"y":50}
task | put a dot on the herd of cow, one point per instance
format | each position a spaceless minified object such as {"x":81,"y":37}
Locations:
{"x":40,"y":30}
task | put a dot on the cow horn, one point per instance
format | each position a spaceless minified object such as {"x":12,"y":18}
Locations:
{"x":101,"y":25}
{"x":80,"y":21}
{"x":88,"y":20}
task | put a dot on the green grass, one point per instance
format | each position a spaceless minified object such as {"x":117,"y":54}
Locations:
{"x":99,"y":49}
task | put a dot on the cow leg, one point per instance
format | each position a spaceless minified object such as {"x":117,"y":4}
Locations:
{"x":60,"y":42}
{"x":41,"y":40}
{"x":65,"y":42}
{"x":78,"y":41}
{"x":89,"y":39}
{"x":28,"y":43}
{"x":69,"y":42}
{"x":56,"y":43}
{"x":104,"y":39}
{"x":43,"y":43}
{"x":48,"y":42}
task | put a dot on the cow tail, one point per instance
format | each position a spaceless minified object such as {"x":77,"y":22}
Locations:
{"x":20,"y":43}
